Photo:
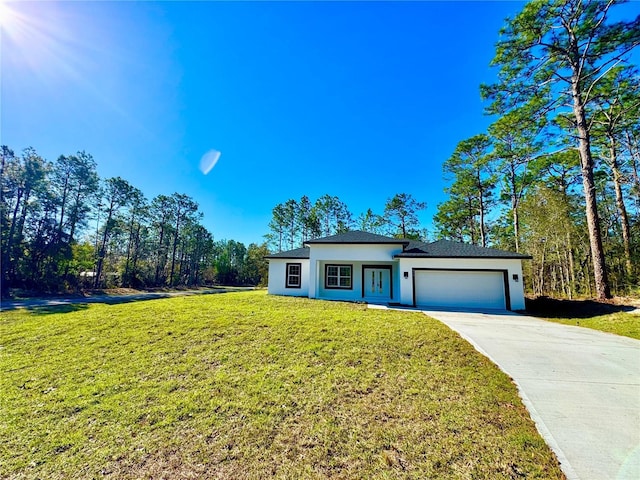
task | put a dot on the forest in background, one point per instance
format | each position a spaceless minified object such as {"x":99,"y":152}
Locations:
{"x":562,"y":155}
{"x":296,"y":221}
{"x":64,"y":228}
{"x":555,"y":176}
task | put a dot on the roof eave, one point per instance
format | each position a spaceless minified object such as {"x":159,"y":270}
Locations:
{"x":501,"y":257}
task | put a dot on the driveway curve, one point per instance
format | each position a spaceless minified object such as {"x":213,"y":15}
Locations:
{"x":581,"y":386}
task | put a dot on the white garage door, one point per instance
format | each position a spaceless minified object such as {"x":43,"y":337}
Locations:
{"x":468,"y":289}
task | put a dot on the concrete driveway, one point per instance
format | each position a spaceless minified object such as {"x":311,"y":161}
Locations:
{"x":581,"y":386}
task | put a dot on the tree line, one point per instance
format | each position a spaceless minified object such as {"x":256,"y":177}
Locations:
{"x":297,"y":221}
{"x":64,"y":228}
{"x":556,"y":174}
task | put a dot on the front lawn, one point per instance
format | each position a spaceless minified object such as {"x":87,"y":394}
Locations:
{"x":621,"y":323}
{"x":249,"y":386}
{"x":618,"y":316}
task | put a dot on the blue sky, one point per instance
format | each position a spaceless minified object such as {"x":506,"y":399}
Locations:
{"x":361,"y":100}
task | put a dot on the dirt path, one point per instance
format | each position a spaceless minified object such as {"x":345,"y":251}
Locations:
{"x":110,"y":299}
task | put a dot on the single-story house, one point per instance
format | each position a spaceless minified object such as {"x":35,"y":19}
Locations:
{"x":361,"y":266}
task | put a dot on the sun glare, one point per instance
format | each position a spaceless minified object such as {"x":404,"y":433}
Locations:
{"x":19,"y":29}
{"x":7,"y":15}
{"x":39,"y":40}
{"x":59,"y":45}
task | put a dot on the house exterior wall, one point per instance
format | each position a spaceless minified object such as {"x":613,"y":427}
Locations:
{"x":381,"y":256}
{"x":355,"y":293}
{"x":356,"y":255}
{"x":278,"y":275}
{"x":512,"y":266}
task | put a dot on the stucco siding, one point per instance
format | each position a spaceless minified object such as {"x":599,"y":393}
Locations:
{"x":346,"y":254}
{"x":438,"y":278}
{"x":511,"y":266}
{"x":354,"y":293}
{"x":277,"y":277}
{"x":354,"y":253}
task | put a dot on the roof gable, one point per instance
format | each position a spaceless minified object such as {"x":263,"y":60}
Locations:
{"x":451,"y":249}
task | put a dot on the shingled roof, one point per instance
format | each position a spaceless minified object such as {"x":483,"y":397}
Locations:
{"x":412,"y":248}
{"x":451,"y":249}
{"x":358,"y":237}
{"x":298,"y":253}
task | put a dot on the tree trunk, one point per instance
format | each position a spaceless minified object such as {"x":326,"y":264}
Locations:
{"x":126,"y":276}
{"x":63,"y":204}
{"x":483,"y":235}
{"x":136,"y":252}
{"x":634,"y":153}
{"x":541,"y":281}
{"x":175,"y":246}
{"x":603,"y":290}
{"x":472,"y":227}
{"x":572,"y":279}
{"x":567,"y":275}
{"x":22,"y":218}
{"x":622,"y":209}
{"x":292,"y":234}
{"x":7,"y":260}
{"x":514,"y":205}
{"x":516,"y":223}
{"x":182,"y":263}
{"x":103,"y":248}
{"x":74,"y":217}
{"x":160,"y":240}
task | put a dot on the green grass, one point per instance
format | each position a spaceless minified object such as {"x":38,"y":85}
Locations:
{"x":620,"y":323}
{"x":249,"y":386}
{"x":612,"y":316}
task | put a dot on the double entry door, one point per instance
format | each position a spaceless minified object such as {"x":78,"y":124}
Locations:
{"x":377,"y":282}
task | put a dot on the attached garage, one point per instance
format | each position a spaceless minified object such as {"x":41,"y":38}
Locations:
{"x":461,"y":288}
{"x":363,"y":266}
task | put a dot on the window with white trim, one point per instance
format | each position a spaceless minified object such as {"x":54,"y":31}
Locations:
{"x":338,"y":276}
{"x":294,"y":275}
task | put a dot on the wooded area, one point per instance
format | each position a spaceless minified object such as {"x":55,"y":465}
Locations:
{"x":566,"y":104}
{"x":64,"y":228}
{"x":556,"y":176}
{"x":557,"y":173}
{"x":296,"y":221}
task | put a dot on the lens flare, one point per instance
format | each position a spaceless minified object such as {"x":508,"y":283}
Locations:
{"x":209,"y":160}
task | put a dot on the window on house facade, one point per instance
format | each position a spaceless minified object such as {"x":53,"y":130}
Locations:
{"x":338,"y":276}
{"x":294,"y":275}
